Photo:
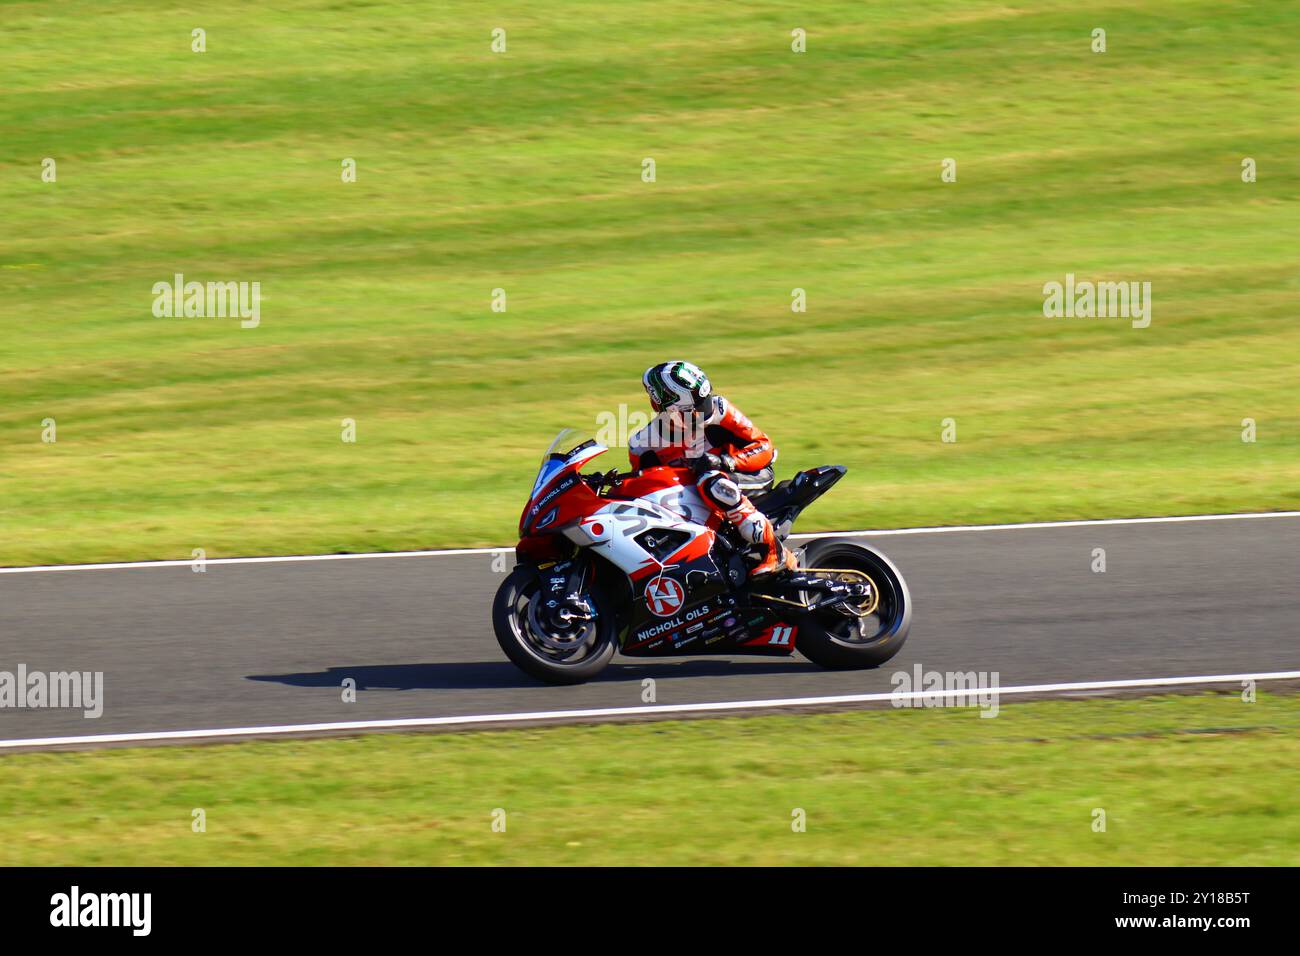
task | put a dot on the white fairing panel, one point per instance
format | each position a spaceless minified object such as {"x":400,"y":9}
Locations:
{"x":682,"y":500}
{"x":612,"y":530}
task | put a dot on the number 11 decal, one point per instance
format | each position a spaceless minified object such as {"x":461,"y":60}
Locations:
{"x":781,"y":635}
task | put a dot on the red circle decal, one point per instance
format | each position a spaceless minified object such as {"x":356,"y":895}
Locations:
{"x":664,"y":597}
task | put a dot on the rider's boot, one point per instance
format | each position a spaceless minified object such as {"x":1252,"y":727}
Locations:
{"x":757,"y":528}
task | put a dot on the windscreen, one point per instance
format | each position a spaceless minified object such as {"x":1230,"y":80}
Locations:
{"x":566,"y":446}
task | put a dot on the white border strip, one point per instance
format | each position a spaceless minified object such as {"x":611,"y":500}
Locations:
{"x":875,"y":533}
{"x":275,"y":559}
{"x":405,"y":723}
{"x":1082,"y":523}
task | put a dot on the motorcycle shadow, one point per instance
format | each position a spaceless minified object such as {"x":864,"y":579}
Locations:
{"x":489,"y":675}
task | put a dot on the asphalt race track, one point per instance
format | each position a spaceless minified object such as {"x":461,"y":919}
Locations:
{"x":252,"y":644}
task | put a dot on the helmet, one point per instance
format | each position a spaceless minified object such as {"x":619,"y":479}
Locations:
{"x":679,"y":386}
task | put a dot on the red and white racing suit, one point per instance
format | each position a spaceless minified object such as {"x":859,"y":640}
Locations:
{"x":676,"y":438}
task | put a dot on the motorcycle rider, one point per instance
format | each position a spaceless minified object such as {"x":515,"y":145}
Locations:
{"x":695,"y":428}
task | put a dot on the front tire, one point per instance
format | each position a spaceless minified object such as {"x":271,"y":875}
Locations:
{"x":835,"y":640}
{"x":571,"y":661}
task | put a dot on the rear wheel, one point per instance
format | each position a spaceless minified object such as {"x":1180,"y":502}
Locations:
{"x":872,"y":632}
{"x":569,"y":654}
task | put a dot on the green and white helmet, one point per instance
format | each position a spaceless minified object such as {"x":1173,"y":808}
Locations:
{"x":677,"y":385}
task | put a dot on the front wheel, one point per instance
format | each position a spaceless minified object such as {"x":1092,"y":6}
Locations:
{"x":874,"y":631}
{"x":557,"y":655}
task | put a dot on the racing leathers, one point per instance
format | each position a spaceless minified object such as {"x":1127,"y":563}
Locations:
{"x":730,"y":455}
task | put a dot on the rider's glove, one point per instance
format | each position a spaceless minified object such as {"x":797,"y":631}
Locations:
{"x":711,"y":462}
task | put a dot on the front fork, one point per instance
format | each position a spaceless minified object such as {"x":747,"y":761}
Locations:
{"x":563,"y":597}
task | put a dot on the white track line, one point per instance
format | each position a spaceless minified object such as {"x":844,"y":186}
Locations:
{"x":275,"y":559}
{"x":404,"y":723}
{"x":1028,"y":525}
{"x":875,"y":533}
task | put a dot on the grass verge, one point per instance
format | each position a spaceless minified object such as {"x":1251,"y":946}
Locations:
{"x":1202,"y":779}
{"x":522,"y":171}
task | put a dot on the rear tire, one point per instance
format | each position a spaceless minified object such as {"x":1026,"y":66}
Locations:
{"x":834,"y":640}
{"x":515,"y":634}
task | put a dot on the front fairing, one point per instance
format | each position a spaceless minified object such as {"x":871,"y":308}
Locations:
{"x":559,"y":494}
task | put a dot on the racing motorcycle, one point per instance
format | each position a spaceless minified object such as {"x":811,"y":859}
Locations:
{"x":638,"y":563}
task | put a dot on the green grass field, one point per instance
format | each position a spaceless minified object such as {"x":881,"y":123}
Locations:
{"x":1204,"y":780}
{"x":522,"y":171}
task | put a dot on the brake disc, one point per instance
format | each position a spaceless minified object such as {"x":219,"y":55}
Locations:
{"x":557,"y":638}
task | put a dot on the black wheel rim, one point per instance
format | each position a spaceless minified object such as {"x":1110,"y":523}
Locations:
{"x":873,"y":627}
{"x":579,"y":650}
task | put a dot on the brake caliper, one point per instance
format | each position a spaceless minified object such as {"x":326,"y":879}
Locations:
{"x":564,"y":605}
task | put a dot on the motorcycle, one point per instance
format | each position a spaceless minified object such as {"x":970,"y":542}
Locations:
{"x":637,"y":563}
